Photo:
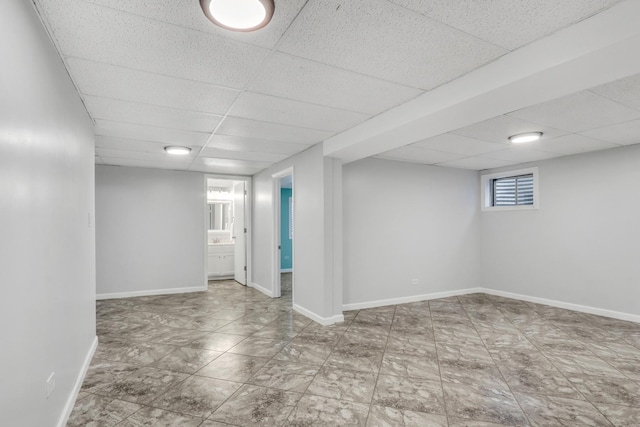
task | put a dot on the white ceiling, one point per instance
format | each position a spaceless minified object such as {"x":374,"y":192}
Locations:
{"x":434,"y":82}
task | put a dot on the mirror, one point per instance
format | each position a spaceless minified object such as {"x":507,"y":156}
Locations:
{"x":219,"y":215}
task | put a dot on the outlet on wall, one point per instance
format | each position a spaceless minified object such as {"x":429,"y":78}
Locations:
{"x":414,"y":282}
{"x":51,"y":383}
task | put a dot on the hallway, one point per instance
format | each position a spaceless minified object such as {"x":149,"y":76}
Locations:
{"x":232,"y":356}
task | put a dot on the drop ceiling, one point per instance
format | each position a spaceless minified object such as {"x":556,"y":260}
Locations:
{"x":437,"y":82}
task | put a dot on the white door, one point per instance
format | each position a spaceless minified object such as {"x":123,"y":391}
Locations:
{"x":239,"y":235}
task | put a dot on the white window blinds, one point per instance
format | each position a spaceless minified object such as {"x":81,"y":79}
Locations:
{"x":513,"y":190}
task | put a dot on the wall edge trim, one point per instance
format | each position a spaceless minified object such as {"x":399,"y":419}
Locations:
{"x":324,"y":321}
{"x":150,"y":292}
{"x":262,"y":289}
{"x":71,"y":400}
{"x":408,"y":299}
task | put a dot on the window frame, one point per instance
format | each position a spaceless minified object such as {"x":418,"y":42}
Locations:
{"x":486,"y":190}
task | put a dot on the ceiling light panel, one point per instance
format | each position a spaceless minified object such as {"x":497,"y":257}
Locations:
{"x":111,"y":81}
{"x":145,"y":114}
{"x":577,"y":112}
{"x":499,"y":128}
{"x":508,"y":23}
{"x":237,"y":126}
{"x":150,"y":133}
{"x":287,"y":112}
{"x":355,"y":35}
{"x":296,"y":78}
{"x":102,"y":34}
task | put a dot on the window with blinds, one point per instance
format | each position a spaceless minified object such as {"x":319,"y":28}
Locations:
{"x":512,"y":190}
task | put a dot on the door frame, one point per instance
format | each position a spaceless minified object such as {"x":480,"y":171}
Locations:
{"x":277,"y":217}
{"x":248,"y":208}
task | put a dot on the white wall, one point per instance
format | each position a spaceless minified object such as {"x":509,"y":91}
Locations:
{"x":405,"y":221}
{"x":47,"y":258}
{"x":150,"y":231}
{"x":583,"y":245}
{"x":313,"y":288}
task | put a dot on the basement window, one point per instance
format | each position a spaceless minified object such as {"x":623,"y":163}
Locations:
{"x":511,"y":190}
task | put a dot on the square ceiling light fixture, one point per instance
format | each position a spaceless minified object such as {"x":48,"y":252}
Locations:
{"x":239,"y":15}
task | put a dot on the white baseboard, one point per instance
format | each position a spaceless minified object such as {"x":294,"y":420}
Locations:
{"x":71,"y":400}
{"x":411,"y":298}
{"x":567,"y":305}
{"x":151,"y":292}
{"x":265,"y":291}
{"x":324,"y":321}
{"x":286,"y":270}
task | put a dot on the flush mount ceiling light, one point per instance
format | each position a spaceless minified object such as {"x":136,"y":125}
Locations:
{"x":525,"y":137}
{"x":178,"y":150}
{"x":239,"y":15}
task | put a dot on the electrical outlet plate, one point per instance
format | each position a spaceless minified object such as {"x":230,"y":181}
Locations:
{"x":51,"y":383}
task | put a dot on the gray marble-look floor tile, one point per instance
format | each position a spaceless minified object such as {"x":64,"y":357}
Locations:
{"x":616,"y":391}
{"x":582,"y":364}
{"x":409,"y":393}
{"x":408,"y":365}
{"x":344,"y":384}
{"x":620,"y":416}
{"x":539,"y":381}
{"x":473,"y":423}
{"x":135,"y":353}
{"x":303,"y":352}
{"x":323,"y":411}
{"x":285,"y":376}
{"x":196,"y":396}
{"x":187,"y":360}
{"x":154,"y":417}
{"x":257,"y":406}
{"x":258,"y":347}
{"x":233,"y":367}
{"x":96,"y":410}
{"x":355,"y":357}
{"x":380,"y":416}
{"x":142,"y":386}
{"x":469,"y":352}
{"x":103,"y":372}
{"x":521,"y":358}
{"x":491,"y":405}
{"x":216,"y":341}
{"x":473,"y":374}
{"x":558,"y":411}
{"x":419,"y":345}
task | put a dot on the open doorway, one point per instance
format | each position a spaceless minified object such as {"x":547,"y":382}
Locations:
{"x":284,"y":214}
{"x":226,"y":228}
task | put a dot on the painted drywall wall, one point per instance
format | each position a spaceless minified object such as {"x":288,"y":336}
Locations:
{"x":405,"y":221}
{"x":150,"y":231}
{"x":286,"y":253}
{"x":582,"y":245}
{"x":47,"y":273}
{"x":313,"y":276}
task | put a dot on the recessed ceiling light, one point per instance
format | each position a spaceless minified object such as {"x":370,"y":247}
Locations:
{"x":525,"y":137}
{"x":178,"y":150}
{"x":239,"y":15}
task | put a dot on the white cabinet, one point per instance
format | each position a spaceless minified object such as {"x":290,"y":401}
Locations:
{"x":220,"y":261}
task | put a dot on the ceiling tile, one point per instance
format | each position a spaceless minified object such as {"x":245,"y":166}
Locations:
{"x":145,"y":114}
{"x":230,"y":163}
{"x":107,"y":35}
{"x":625,"y":91}
{"x":571,"y":144}
{"x":623,"y":133}
{"x":375,"y":37}
{"x":458,"y":144}
{"x":254,"y":156}
{"x":241,"y":143}
{"x":110,"y":81}
{"x":154,"y":164}
{"x":476,"y":163}
{"x":507,"y":23}
{"x":123,"y":144}
{"x":225,"y":170}
{"x":419,"y":155}
{"x":190,"y":15}
{"x":284,"y":111}
{"x":520,"y":155}
{"x":237,"y":126}
{"x":296,"y":78}
{"x":577,"y":112}
{"x":500,"y":128}
{"x":139,"y":155}
{"x":150,"y":133}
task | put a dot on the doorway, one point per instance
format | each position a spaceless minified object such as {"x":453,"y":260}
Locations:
{"x":284,"y":215}
{"x":226,"y":228}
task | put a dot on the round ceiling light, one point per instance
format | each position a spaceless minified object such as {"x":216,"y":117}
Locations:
{"x":239,"y":15}
{"x":177,"y":150}
{"x":525,"y":137}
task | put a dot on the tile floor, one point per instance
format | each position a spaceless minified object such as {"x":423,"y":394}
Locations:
{"x":232,"y":356}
